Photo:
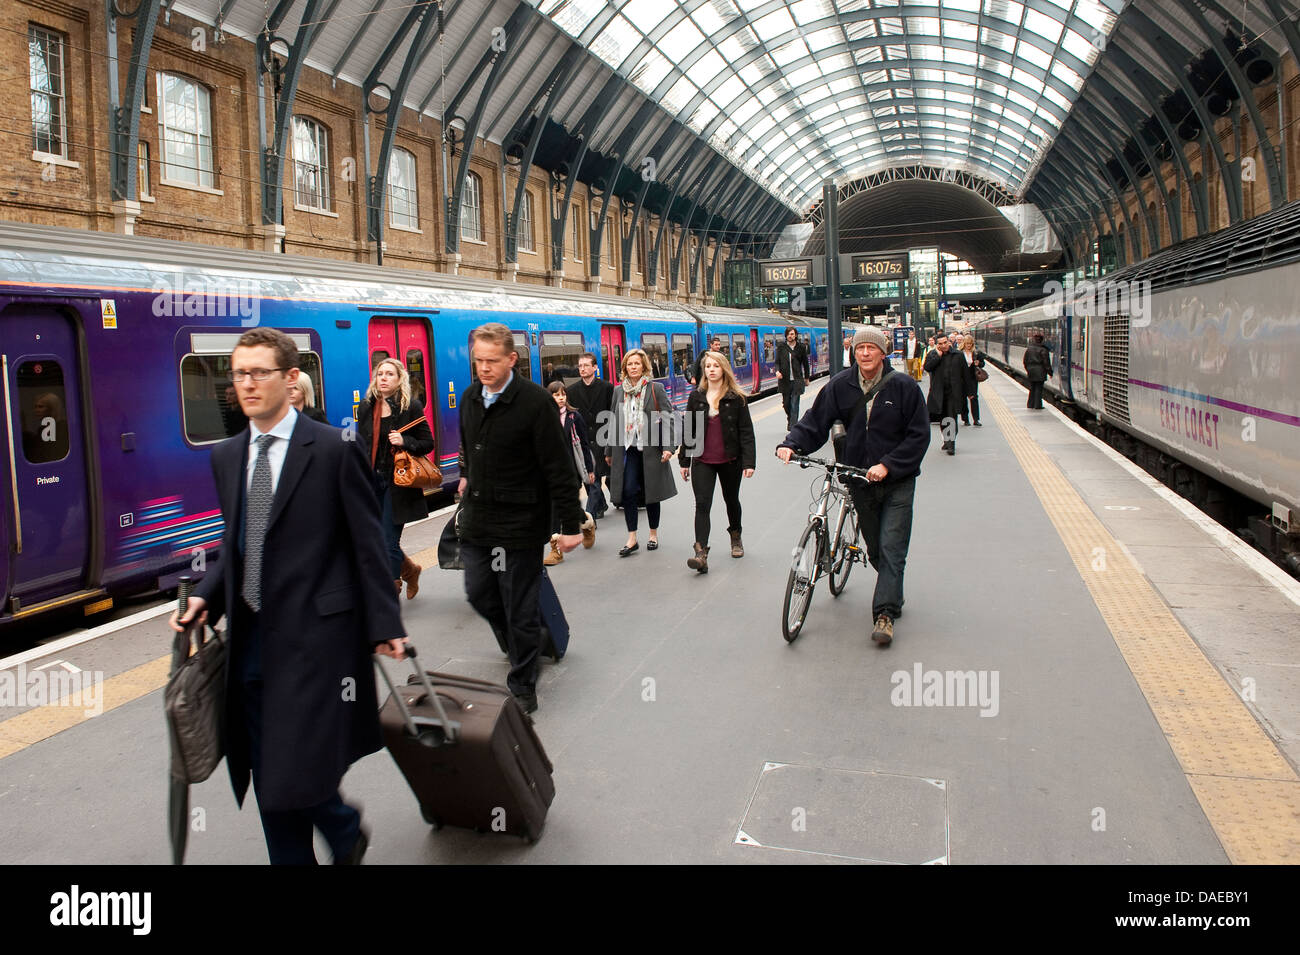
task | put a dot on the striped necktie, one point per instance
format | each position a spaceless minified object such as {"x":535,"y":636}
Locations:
{"x":256,"y":515}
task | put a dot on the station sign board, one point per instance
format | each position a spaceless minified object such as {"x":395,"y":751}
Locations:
{"x":785,"y":273}
{"x":892,"y":267}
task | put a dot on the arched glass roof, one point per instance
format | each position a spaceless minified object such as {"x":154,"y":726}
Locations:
{"x":796,"y":92}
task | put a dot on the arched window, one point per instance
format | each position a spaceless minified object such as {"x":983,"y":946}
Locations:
{"x":311,"y":165}
{"x":403,"y":194}
{"x":526,"y":240}
{"x":471,"y":209}
{"x":185,"y":131}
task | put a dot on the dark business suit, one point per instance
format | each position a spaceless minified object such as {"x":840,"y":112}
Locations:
{"x":300,"y":697}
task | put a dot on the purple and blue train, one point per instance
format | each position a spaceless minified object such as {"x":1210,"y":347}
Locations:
{"x":116,"y":356}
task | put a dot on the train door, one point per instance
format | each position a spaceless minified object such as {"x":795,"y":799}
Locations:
{"x":612,"y":346}
{"x":409,"y":341}
{"x":754,"y":355}
{"x":46,"y":487}
{"x":1079,"y":364}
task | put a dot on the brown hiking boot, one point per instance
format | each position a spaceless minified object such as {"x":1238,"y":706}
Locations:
{"x":884,"y":632}
{"x":737,"y":548}
{"x":700,"y":561}
{"x":554,"y":557}
{"x":410,"y":573}
{"x":588,"y":532}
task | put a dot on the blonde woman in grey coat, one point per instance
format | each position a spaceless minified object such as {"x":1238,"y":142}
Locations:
{"x":642,"y":435}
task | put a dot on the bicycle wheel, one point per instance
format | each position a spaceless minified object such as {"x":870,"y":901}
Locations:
{"x":803,"y":577}
{"x":845,"y":548}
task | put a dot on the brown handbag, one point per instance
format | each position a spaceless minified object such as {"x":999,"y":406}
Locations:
{"x":414,"y":470}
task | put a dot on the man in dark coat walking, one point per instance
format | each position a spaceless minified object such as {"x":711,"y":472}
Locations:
{"x":947,"y":371}
{"x":515,"y":464}
{"x":591,"y":397}
{"x":792,"y":373}
{"x":1038,"y":368}
{"x":300,"y":692}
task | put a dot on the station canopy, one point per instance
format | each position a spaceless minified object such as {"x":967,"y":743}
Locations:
{"x":798,"y":92}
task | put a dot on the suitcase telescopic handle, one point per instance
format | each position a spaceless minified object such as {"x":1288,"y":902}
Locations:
{"x":450,"y":729}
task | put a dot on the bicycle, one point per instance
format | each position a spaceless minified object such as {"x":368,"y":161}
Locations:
{"x":821,"y":552}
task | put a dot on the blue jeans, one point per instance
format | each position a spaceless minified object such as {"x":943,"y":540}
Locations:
{"x":634,"y":489}
{"x":392,"y":534}
{"x":596,"y":497}
{"x":790,"y":402}
{"x":885,"y":522}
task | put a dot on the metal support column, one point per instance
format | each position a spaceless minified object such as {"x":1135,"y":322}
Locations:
{"x":831,"y":227}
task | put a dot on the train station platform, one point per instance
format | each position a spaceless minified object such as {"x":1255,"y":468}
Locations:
{"x":1086,"y":672}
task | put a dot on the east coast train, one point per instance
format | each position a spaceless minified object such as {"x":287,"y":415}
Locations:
{"x":116,"y":355}
{"x":1194,"y":352}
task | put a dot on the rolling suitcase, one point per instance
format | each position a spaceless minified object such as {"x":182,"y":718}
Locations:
{"x":468,"y":752}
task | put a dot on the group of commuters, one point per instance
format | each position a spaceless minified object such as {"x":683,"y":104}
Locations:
{"x":954,"y":385}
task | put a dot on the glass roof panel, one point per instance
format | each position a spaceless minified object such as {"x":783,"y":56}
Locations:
{"x":915,"y":83}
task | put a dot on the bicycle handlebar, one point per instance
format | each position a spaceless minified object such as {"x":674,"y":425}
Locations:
{"x":848,"y":470}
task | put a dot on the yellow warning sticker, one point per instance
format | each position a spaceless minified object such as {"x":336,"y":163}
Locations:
{"x":108,"y":312}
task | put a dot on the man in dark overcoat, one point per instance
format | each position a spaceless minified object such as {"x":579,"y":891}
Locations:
{"x":303,"y":583}
{"x":947,"y":370}
{"x":792,"y":373}
{"x":1038,"y":368}
{"x":515,"y":464}
{"x":591,"y":397}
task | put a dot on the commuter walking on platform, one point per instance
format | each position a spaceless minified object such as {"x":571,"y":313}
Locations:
{"x":717,"y":343}
{"x":516,"y":465}
{"x":973,"y":360}
{"x":1038,"y":368}
{"x":391,"y":419}
{"x":303,"y":398}
{"x":300,"y":702}
{"x":718,"y":442}
{"x":947,"y":374}
{"x":584,"y":465}
{"x":592,"y":397}
{"x":884,"y":415}
{"x":643,"y":435}
{"x":792,"y":372}
{"x":915,"y":353}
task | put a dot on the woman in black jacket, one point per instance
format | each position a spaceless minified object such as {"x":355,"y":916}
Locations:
{"x":584,"y":465}
{"x":718,"y":442}
{"x":971,"y":393}
{"x":388,"y":407}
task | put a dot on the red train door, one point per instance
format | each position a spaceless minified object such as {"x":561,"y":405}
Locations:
{"x":410,"y":341}
{"x":755,"y":357}
{"x":612,"y":346}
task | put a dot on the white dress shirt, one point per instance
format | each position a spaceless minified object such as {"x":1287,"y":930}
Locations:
{"x":276,"y":453}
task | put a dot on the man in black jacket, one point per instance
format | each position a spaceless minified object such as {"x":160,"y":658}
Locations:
{"x":887,"y":433}
{"x":791,"y":373}
{"x":947,"y":371}
{"x":591,"y":397}
{"x":1038,"y":368}
{"x":514,"y":464}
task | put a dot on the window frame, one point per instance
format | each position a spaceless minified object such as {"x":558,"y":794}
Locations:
{"x":204,"y":142}
{"x":471,"y":199}
{"x":320,"y":167}
{"x":577,"y":232}
{"x":525,"y":227}
{"x":61,"y":96}
{"x":674,"y":341}
{"x":662,"y":345}
{"x":411,"y":222}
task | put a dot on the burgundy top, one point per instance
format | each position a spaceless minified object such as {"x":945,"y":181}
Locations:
{"x":715,"y":449}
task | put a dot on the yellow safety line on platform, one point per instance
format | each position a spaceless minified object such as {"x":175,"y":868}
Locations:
{"x":42,"y":722}
{"x":1247,"y":789}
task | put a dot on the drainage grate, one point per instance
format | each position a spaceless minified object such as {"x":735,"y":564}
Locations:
{"x":848,"y":814}
{"x":1114,"y":385}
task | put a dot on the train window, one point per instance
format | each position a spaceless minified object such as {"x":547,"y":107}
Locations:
{"x":683,"y":354}
{"x":739,"y":356}
{"x":210,"y":408}
{"x":524,"y":366}
{"x":560,"y":352}
{"x":376,"y":357}
{"x":44,"y":411}
{"x":769,"y":349}
{"x":656,"y":347}
{"x":415,"y":369}
{"x":309,"y":365}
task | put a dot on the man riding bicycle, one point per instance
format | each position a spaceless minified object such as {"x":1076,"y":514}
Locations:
{"x":887,"y":433}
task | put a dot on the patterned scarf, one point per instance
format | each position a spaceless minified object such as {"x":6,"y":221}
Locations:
{"x":633,"y":411}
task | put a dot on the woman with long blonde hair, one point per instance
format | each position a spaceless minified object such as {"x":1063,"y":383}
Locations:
{"x":387,"y":409}
{"x":971,"y":390}
{"x":717,"y":444}
{"x":643,"y":438}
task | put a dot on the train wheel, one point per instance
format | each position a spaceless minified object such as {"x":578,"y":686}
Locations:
{"x":803,"y":577}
